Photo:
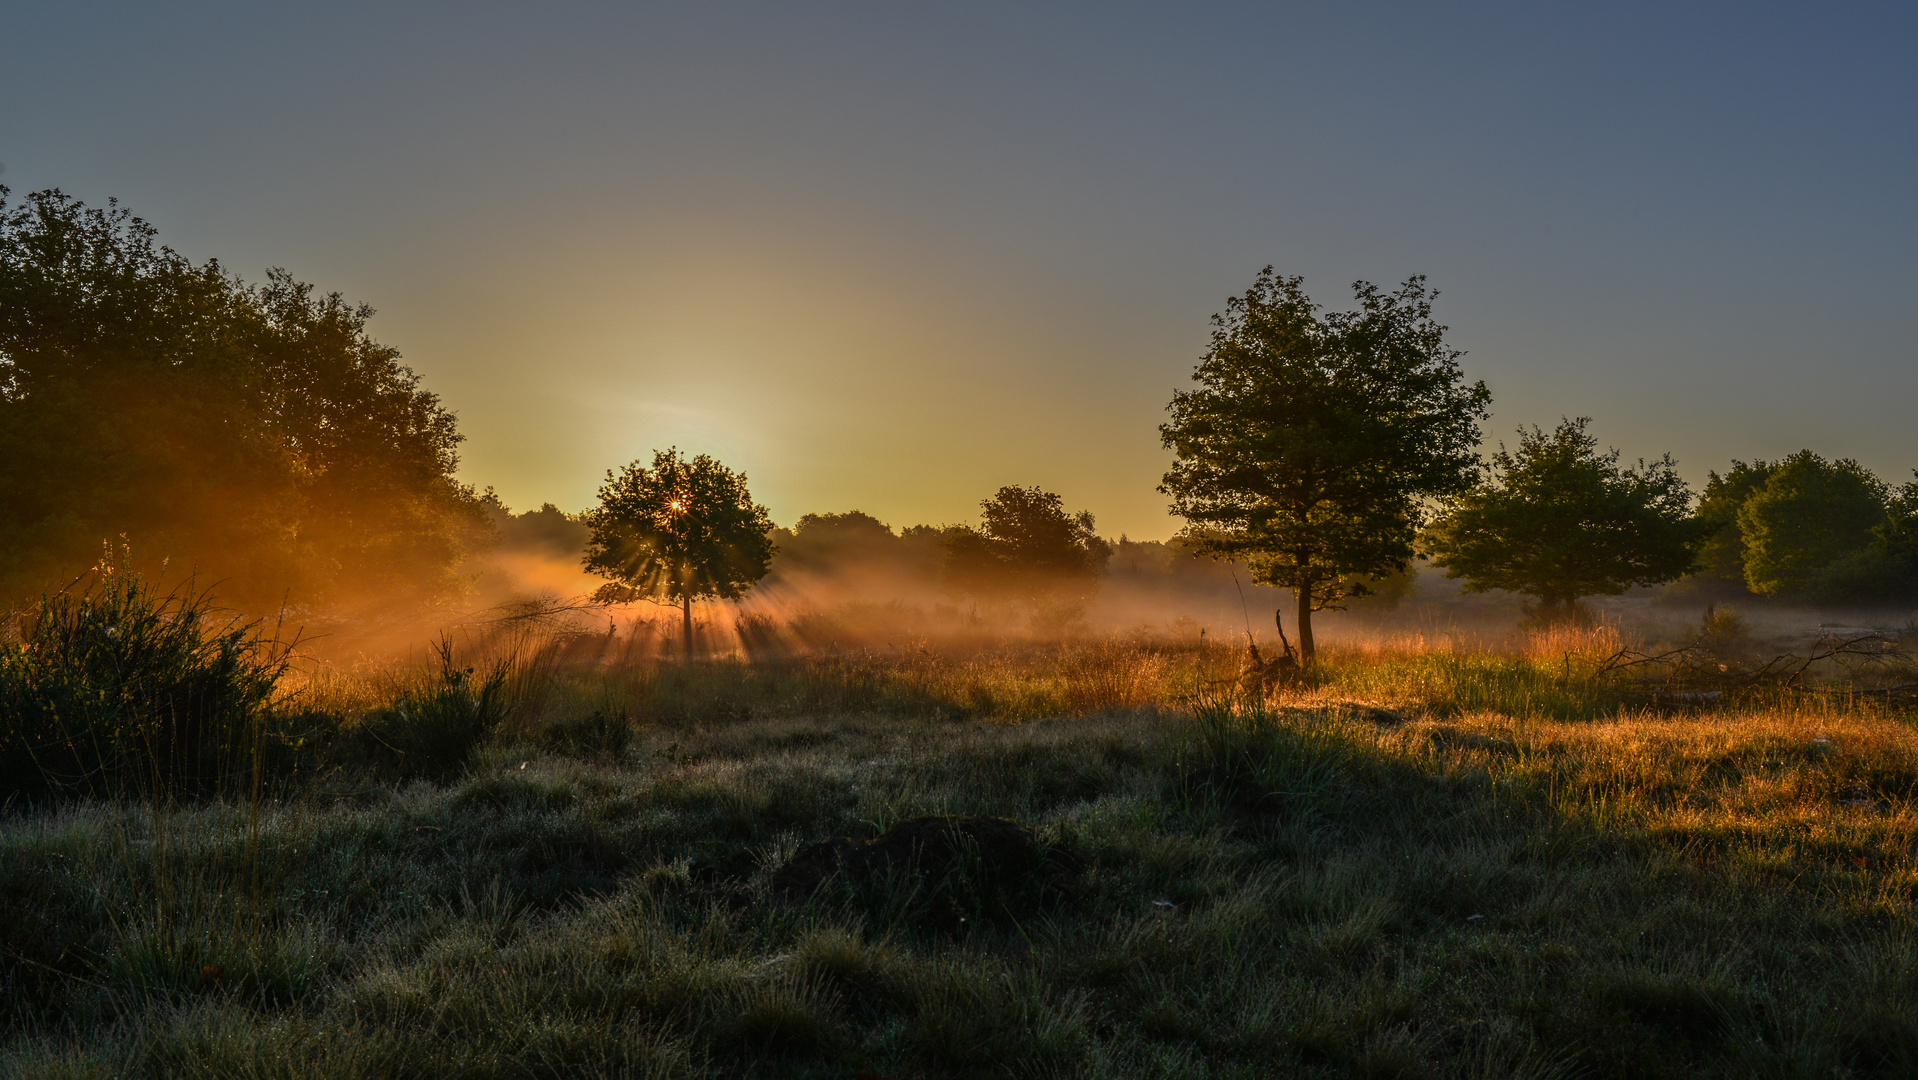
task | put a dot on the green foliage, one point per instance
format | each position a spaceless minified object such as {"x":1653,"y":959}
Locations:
{"x":1312,"y":440}
{"x":1806,"y":529}
{"x":117,"y":689}
{"x":255,"y":432}
{"x":1722,"y":557}
{"x":1898,"y":535}
{"x":1028,"y":547}
{"x":682,"y":529}
{"x":1868,"y":576}
{"x":1559,"y":520}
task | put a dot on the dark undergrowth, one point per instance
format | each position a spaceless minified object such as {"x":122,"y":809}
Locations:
{"x":1254,"y":890}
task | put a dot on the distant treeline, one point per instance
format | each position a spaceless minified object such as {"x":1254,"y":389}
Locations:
{"x":858,"y":555}
{"x":1806,"y":529}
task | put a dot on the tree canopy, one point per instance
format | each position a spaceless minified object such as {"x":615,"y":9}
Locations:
{"x":1898,"y":536}
{"x":1313,"y":441}
{"x":820,"y":542}
{"x":1811,"y":530}
{"x":254,"y":432}
{"x":682,"y":529}
{"x":1722,"y":557}
{"x":1558,"y":520}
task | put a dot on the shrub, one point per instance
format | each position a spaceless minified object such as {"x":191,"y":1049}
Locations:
{"x":430,"y":732}
{"x":1868,"y":576}
{"x":1723,"y":626}
{"x":120,"y":688}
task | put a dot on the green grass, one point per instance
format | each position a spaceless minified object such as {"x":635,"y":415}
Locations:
{"x":1508,"y":872}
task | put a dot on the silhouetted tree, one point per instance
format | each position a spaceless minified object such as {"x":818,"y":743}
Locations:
{"x":1559,"y":520}
{"x":683,"y":530}
{"x":1312,"y":441}
{"x":547,"y":531}
{"x":836,"y":543}
{"x":1028,"y":547}
{"x":254,"y":431}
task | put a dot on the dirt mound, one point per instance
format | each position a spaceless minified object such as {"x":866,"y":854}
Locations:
{"x":944,"y":868}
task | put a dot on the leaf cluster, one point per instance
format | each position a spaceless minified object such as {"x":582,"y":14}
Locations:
{"x":1722,"y":557}
{"x":1807,"y":529}
{"x":1813,"y":529}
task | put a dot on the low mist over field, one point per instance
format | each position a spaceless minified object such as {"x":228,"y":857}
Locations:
{"x":934,"y":543}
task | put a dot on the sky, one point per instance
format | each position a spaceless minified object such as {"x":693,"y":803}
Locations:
{"x":892,"y":256}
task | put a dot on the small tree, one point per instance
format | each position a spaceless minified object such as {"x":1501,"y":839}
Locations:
{"x":681,"y":530}
{"x":1028,"y":546}
{"x":1558,"y":521}
{"x":1312,"y":442}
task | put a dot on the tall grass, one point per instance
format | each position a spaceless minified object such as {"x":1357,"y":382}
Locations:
{"x":1509,"y":866}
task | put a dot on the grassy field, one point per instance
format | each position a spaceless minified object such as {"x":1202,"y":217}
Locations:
{"x":1437,"y":861}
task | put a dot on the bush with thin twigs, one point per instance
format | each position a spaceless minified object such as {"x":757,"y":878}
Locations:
{"x":118,"y":688}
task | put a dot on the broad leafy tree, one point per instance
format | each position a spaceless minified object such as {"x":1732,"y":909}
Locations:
{"x":680,"y":530}
{"x":1312,"y":441}
{"x":1559,"y":520}
{"x":253,"y":432}
{"x":1809,"y":527}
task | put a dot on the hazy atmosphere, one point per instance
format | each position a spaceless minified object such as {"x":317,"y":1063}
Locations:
{"x":914,"y":542}
{"x":891,"y":257}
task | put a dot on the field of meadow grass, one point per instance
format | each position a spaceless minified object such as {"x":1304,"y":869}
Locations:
{"x":1437,"y":858}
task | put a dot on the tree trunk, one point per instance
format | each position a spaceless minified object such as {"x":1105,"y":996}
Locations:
{"x":1306,"y":649}
{"x":686,"y":638}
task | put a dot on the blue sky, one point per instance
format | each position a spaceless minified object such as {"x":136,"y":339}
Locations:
{"x":893,"y":256}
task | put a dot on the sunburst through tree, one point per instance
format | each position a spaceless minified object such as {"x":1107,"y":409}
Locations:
{"x":682,"y":530}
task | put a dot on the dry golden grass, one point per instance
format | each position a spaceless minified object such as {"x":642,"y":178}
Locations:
{"x":1446,"y":858}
